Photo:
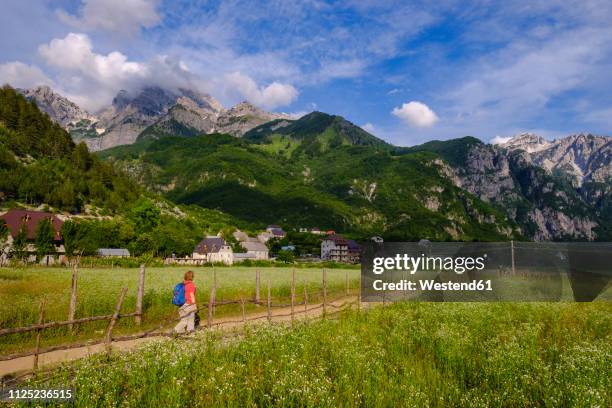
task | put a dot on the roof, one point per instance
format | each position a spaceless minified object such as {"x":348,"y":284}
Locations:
{"x":353,"y":246}
{"x":254,"y":246}
{"x":273,"y":226}
{"x":338,"y":239}
{"x":209,"y":245}
{"x":278,"y":232}
{"x":113,"y":252}
{"x":15,"y":219}
{"x":240,"y":235}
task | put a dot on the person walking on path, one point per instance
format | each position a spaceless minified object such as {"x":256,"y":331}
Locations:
{"x":189,"y":309}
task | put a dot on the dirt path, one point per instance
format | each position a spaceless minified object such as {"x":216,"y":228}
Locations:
{"x":45,"y":360}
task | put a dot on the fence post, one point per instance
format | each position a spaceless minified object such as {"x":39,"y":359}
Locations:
{"x":346,"y":281}
{"x":512,"y":256}
{"x":305,"y":302}
{"x":41,"y":320}
{"x":73,"y":296}
{"x":211,"y":304}
{"x":242,"y":309}
{"x":113,"y":321}
{"x":257,"y":284}
{"x":292,"y":294}
{"x":140,"y":295}
{"x":269,"y":303}
{"x":324,"y":292}
{"x":215,"y":286}
{"x":359,"y":295}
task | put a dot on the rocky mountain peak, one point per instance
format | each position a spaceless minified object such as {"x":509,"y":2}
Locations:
{"x":59,"y":108}
{"x":243,"y":117}
{"x":529,"y":142}
{"x":121,"y":100}
{"x":582,"y":157}
{"x":202,"y":100}
{"x":245,"y":108}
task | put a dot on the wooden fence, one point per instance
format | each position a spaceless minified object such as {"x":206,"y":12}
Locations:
{"x":210,"y":306}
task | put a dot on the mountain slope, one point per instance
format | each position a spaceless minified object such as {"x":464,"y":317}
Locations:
{"x":40,"y":164}
{"x":311,"y":135}
{"x":60,"y":109}
{"x":583,"y":157}
{"x":243,"y":117}
{"x":544,"y":203}
{"x":352,"y":188}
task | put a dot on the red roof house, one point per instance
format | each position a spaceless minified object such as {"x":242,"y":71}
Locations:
{"x":15,"y":219}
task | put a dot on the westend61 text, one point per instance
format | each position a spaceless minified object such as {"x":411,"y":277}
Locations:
{"x":430,"y":284}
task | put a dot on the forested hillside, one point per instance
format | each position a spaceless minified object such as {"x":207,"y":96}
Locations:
{"x":317,"y":171}
{"x":39,"y":163}
{"x":41,"y":166}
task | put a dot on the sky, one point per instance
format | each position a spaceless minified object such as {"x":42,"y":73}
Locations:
{"x":407,"y":72}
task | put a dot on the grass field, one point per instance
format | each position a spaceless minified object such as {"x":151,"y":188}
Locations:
{"x":21,"y":291}
{"x":407,"y":354}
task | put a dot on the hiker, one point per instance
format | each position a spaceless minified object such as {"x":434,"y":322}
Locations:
{"x":184,"y":297}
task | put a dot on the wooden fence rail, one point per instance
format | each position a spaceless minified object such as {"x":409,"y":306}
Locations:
{"x":71,"y":322}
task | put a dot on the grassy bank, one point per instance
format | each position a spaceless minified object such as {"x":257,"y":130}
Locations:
{"x":22,"y":289}
{"x":418,"y":354}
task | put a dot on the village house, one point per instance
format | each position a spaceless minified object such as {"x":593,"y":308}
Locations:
{"x":243,"y":256}
{"x":314,"y":230}
{"x":240,"y":236}
{"x":214,"y":249}
{"x":258,"y":249}
{"x":272,"y":231}
{"x":16,"y":219}
{"x":113,"y":252}
{"x":354,"y":251}
{"x":336,"y":248}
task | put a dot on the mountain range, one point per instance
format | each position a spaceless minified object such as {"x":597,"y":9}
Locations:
{"x":322,"y":170}
{"x":155,"y":110}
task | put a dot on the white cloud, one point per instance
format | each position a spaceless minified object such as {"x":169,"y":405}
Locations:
{"x":368,"y":127}
{"x":500,"y":140}
{"x":117,"y":16}
{"x":92,"y":79}
{"x":416,"y":114}
{"x":20,"y":75}
{"x":272,"y":96}
{"x":74,"y":52}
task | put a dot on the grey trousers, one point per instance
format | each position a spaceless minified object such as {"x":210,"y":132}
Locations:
{"x":187,"y":315}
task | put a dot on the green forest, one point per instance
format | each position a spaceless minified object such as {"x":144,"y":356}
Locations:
{"x":40,"y":164}
{"x":41,"y":167}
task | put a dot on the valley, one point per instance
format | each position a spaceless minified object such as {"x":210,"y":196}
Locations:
{"x":255,"y":168}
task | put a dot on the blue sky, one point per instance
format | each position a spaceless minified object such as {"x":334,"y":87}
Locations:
{"x":406,"y":71}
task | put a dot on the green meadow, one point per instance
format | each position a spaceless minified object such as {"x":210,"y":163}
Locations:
{"x":22,"y":290}
{"x":402,"y":355}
